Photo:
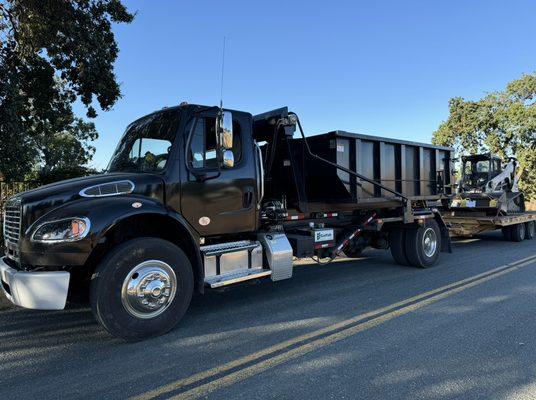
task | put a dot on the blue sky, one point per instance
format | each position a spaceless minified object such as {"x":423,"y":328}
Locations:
{"x":385,"y":68}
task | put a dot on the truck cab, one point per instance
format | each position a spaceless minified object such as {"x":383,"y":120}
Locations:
{"x":214,"y":195}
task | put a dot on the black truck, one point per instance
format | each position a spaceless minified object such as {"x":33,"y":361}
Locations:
{"x":198,"y":198}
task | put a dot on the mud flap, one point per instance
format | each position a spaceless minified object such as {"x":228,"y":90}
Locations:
{"x":446,"y":245}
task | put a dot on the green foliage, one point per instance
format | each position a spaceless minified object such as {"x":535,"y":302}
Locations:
{"x":502,"y":122}
{"x":17,"y":152}
{"x":68,"y":172}
{"x":63,"y":140}
{"x":53,"y":52}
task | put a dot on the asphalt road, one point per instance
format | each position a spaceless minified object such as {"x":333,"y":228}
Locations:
{"x":359,"y":329}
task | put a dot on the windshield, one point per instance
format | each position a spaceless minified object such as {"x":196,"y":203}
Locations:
{"x":474,"y":166}
{"x":146,"y":144}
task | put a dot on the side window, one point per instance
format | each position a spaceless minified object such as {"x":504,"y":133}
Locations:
{"x":203,"y":149}
{"x":203,"y":144}
{"x":467,"y":169}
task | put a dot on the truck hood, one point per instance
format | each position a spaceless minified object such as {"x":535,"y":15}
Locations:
{"x":37,"y":202}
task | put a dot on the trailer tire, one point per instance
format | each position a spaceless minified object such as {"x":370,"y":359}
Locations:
{"x":530,"y":228}
{"x":397,"y":243}
{"x":517,"y":232}
{"x":423,"y":244}
{"x":142,"y":288}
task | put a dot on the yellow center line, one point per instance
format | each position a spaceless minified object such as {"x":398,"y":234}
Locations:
{"x":391,"y":311}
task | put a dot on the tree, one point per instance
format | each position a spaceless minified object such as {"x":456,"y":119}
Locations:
{"x":502,"y":122}
{"x":17,"y":152}
{"x":52,"y":53}
{"x":63,"y":141}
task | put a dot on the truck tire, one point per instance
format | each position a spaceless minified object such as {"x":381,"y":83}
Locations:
{"x":530,"y":228}
{"x":397,"y":243}
{"x":142,"y":288}
{"x":517,"y":232}
{"x":423,"y":244}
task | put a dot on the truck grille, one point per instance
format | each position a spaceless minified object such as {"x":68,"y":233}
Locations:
{"x":12,"y":219}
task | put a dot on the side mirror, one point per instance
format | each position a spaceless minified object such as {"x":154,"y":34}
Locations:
{"x":228,"y":159}
{"x":224,"y":130}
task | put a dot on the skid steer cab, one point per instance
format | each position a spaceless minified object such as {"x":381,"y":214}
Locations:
{"x":485,"y":173}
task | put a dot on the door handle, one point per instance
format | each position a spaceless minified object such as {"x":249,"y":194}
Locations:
{"x":248,"y":198}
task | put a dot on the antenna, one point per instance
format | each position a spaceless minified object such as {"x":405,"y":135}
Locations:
{"x":222,"y":72}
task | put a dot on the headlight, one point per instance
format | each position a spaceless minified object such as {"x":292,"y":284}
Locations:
{"x":65,"y":230}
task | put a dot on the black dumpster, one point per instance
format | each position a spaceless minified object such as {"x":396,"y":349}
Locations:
{"x":413,"y":169}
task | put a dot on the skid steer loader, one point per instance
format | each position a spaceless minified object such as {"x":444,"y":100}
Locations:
{"x":489,"y":186}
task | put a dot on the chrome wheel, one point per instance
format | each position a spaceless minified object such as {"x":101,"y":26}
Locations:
{"x":149,"y":289}
{"x":429,"y":242}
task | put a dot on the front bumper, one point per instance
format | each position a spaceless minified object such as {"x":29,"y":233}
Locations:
{"x":35,"y":290}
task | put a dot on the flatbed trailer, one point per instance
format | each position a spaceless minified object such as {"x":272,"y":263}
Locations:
{"x":468,"y":224}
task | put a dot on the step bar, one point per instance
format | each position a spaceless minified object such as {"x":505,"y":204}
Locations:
{"x":224,"y":248}
{"x":235,"y":277}
{"x":233,"y":262}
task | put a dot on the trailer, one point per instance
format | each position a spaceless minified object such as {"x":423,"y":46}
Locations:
{"x":515,"y":227}
{"x":470,"y":225}
{"x":198,"y":198}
